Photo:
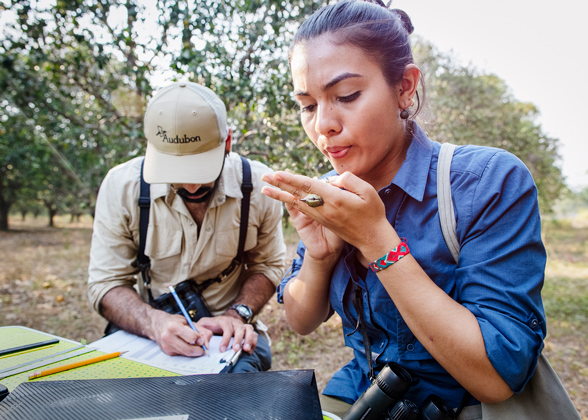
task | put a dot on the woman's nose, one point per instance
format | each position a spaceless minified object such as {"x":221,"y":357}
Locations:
{"x":327,"y":123}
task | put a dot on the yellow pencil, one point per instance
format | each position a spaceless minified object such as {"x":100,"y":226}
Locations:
{"x":75,"y":365}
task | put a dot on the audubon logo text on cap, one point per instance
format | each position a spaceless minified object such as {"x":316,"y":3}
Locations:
{"x":177,"y":139}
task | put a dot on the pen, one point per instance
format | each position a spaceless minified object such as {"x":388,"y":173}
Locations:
{"x":28,"y":347}
{"x":75,"y":365}
{"x":28,"y":351}
{"x":190,"y":323}
{"x":235,"y":357}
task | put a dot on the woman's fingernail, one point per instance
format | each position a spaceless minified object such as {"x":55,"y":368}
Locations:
{"x":200,"y":341}
{"x":223,"y":349}
{"x":246,"y":347}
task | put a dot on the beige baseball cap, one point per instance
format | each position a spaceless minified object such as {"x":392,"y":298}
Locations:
{"x":186,"y":130}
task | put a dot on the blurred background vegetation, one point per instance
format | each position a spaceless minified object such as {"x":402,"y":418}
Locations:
{"x":76,"y":75}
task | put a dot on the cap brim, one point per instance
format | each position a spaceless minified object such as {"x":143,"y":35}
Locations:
{"x":201,"y":168}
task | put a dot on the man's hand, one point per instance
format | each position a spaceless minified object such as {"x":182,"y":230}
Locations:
{"x":175,"y":337}
{"x":230,"y":327}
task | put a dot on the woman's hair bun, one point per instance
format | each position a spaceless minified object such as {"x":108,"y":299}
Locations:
{"x":405,"y":20}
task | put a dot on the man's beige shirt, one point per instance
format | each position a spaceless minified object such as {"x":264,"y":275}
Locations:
{"x":178,"y":251}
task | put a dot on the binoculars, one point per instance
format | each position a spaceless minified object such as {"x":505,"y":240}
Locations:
{"x":383,"y":400}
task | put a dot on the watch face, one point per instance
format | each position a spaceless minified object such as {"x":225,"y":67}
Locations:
{"x":244,"y":312}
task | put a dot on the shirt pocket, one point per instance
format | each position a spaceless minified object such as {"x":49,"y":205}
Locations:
{"x":227,"y":241}
{"x":409,"y":348}
{"x":164,"y":243}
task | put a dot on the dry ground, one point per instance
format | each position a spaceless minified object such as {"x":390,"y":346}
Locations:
{"x":43,"y":274}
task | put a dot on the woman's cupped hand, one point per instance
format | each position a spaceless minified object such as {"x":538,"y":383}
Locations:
{"x":352,"y":211}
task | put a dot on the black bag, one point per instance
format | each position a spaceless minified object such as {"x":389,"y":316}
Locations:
{"x":191,"y":298}
{"x":188,"y":291}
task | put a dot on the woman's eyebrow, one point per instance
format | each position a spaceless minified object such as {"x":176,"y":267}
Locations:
{"x":340,"y":78}
{"x":329,"y":85}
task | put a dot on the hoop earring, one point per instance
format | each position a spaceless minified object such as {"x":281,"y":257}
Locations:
{"x":404,"y":114}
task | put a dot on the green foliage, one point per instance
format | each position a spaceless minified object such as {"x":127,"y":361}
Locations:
{"x":22,"y":160}
{"x":80,"y":72}
{"x":240,"y":50}
{"x":469,"y":107}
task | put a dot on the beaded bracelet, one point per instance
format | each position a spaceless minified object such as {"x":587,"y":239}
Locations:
{"x":391,"y":257}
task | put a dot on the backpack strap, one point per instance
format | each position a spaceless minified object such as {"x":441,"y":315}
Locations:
{"x":447,"y":220}
{"x":446,"y":211}
{"x":143,"y":260}
{"x":246,"y":188}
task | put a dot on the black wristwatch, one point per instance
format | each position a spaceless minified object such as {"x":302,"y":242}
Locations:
{"x":243,"y":311}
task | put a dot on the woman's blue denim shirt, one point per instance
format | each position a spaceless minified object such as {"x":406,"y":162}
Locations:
{"x":499,"y":276}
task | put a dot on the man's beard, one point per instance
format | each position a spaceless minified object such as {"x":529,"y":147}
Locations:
{"x":186,"y":196}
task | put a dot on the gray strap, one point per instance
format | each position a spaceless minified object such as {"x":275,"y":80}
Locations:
{"x":446,"y":212}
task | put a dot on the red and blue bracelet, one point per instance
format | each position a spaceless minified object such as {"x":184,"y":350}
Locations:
{"x":391,"y":257}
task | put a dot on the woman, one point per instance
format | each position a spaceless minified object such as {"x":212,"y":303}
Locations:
{"x":476,"y":326}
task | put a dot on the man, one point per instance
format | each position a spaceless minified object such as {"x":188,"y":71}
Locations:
{"x":193,"y":232}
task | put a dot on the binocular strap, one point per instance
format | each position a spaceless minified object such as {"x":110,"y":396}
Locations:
{"x":358,"y":304}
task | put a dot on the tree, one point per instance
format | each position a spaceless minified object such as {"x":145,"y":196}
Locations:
{"x":470,"y":107}
{"x":19,"y":158}
{"x":83,"y":70}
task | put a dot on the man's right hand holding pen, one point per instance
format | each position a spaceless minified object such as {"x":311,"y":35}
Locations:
{"x":172,"y":332}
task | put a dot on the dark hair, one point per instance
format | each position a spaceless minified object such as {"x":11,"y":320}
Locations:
{"x":381,"y":33}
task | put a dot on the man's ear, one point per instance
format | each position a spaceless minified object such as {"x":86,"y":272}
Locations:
{"x":228,"y":142}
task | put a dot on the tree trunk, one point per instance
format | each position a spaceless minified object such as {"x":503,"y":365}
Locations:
{"x":4,"y":208}
{"x":23,"y":214}
{"x":52,"y":210}
{"x":52,"y":213}
{"x":5,"y":204}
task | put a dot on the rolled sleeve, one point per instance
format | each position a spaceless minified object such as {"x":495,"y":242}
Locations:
{"x":501,"y":268}
{"x":113,"y":251}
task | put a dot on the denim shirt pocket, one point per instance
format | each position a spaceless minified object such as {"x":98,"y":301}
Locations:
{"x":409,"y":348}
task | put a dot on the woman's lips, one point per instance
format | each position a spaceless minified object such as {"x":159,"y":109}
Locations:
{"x":338,"y":152}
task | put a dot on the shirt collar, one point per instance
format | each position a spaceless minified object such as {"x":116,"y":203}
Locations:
{"x":412,"y":175}
{"x":160,"y":190}
{"x":231,"y":177}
